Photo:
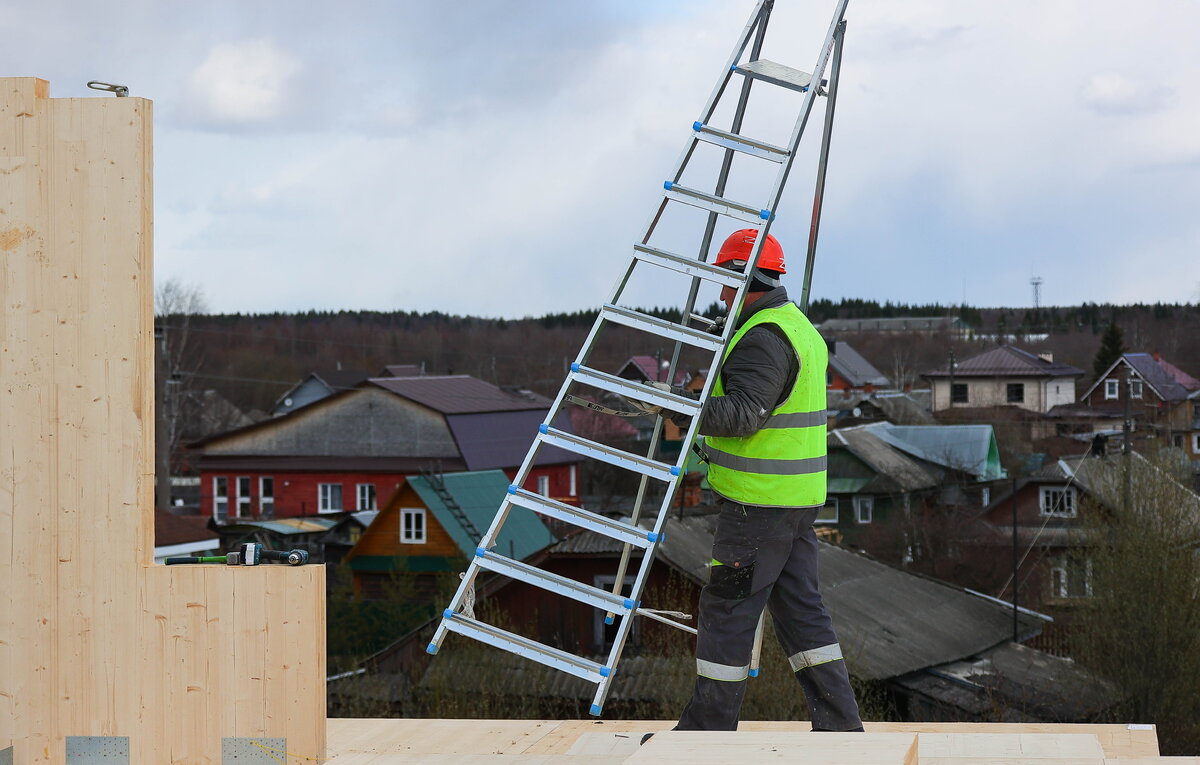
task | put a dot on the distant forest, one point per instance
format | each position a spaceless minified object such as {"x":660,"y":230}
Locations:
{"x":252,"y":359}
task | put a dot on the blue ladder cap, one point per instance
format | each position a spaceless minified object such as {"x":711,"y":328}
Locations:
{"x":543,"y":428}
{"x":574,"y":366}
{"x":667,"y":185}
{"x":431,"y":648}
{"x":595,"y":710}
{"x":754,"y":673}
{"x":733,"y":68}
{"x":674,"y":471}
{"x":764,"y":214}
{"x":652,"y":537}
{"x":480,"y":552}
{"x":512,"y":488}
{"x":448,"y":613}
{"x":697,"y":125}
{"x":628,"y":603}
{"x":605,"y":671}
{"x":609,"y":619}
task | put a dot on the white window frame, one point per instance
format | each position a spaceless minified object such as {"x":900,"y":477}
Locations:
{"x":985,"y":496}
{"x":1070,"y":501}
{"x":266,"y":501}
{"x":574,"y":488}
{"x":1060,"y":580}
{"x":1196,"y":443}
{"x":823,"y":515}
{"x":365,"y":491}
{"x":242,"y":505}
{"x":325,"y":498}
{"x":220,"y":501}
{"x":1112,"y":389}
{"x":1135,"y":387}
{"x":864,"y":504}
{"x":543,"y":485}
{"x":413,"y":536}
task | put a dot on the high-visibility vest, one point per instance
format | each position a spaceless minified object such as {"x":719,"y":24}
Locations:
{"x":783,"y":463}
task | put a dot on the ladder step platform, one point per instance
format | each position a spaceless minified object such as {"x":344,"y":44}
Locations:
{"x":741,"y":143}
{"x":597,"y":598}
{"x":634,"y":390}
{"x":776,"y":74}
{"x":687,"y":266}
{"x":523,"y":646}
{"x":617,"y":457}
{"x":753,"y":215}
{"x":584,"y":519}
{"x":661,"y":327}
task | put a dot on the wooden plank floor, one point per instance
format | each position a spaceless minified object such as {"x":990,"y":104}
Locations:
{"x":608,"y":742}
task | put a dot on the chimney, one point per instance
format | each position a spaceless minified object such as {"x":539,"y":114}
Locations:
{"x":1047,"y":356}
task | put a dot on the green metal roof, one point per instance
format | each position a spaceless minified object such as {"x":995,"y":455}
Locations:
{"x":479,"y":494}
{"x":287,"y":526}
{"x":969,"y":448}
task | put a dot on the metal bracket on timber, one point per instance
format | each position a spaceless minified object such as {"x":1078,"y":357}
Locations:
{"x":253,"y":751}
{"x":6,"y":756}
{"x":97,"y":750}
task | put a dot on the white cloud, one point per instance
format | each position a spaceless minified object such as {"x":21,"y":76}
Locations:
{"x":245,"y":82}
{"x":1118,"y":94}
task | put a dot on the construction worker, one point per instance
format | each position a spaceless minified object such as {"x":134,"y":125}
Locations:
{"x":764,"y":429}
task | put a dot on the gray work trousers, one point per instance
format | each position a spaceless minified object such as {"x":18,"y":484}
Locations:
{"x":766,"y":556}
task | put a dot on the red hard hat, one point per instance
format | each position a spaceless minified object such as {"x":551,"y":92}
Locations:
{"x":735,"y":252}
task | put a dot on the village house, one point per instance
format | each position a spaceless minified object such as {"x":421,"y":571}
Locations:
{"x":1162,"y":399}
{"x":1004,"y":376}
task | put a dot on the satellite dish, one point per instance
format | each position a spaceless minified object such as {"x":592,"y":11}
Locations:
{"x":856,"y":412}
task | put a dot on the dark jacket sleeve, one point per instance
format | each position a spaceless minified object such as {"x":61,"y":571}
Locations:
{"x":757,"y":375}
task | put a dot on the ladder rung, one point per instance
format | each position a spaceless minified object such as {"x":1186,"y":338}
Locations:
{"x":569,"y":588}
{"x":618,"y":457}
{"x":776,"y":74}
{"x":713,"y":203}
{"x":657,"y":326}
{"x":584,"y":519}
{"x":630,"y":389}
{"x":739,"y":143}
{"x":523,"y":646}
{"x":689,"y":266}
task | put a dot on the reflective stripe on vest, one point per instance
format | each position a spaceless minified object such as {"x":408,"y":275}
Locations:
{"x":724,"y":672}
{"x":782,"y":464}
{"x":815,"y":656}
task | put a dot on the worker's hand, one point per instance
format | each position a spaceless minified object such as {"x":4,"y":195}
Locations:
{"x":642,"y":406}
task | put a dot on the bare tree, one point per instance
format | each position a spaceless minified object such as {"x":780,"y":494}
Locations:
{"x":180,"y":359}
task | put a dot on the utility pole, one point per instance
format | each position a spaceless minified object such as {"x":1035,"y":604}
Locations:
{"x":1127,"y":439}
{"x":162,"y":439}
{"x":1016,"y":563}
{"x":953,"y":364}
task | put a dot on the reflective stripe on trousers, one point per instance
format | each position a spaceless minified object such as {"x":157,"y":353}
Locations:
{"x":723,"y":672}
{"x":815,"y":656}
{"x":764,"y":466}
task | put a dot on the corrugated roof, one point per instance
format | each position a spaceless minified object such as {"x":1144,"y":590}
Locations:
{"x":851,"y":365}
{"x":1008,"y":361}
{"x":460,"y":394}
{"x":479,"y":494}
{"x":306,"y":525}
{"x":1157,"y":375}
{"x":171,"y":529}
{"x":969,"y":448}
{"x":897,"y":469}
{"x":649,"y":368}
{"x":500,"y":439}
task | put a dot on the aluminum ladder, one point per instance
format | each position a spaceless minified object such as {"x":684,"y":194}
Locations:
{"x":631,"y":534}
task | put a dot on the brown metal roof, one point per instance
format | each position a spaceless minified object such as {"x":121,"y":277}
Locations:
{"x":1008,"y":361}
{"x":460,"y":394}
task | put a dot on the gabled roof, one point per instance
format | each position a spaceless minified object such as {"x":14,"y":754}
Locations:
{"x":852,"y":367}
{"x":648,"y":368}
{"x":1166,"y":380}
{"x":1008,"y":361}
{"x":898,"y":407}
{"x":501,"y":439}
{"x":969,"y":448}
{"x":461,"y":394}
{"x":896,"y":471}
{"x":171,"y":529}
{"x":321,"y":384}
{"x":403,"y":370}
{"x":479,"y":495}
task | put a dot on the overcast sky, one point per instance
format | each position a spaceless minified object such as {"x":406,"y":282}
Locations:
{"x":498,"y":158}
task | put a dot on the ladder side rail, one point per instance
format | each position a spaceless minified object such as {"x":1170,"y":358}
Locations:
{"x":822,"y":165}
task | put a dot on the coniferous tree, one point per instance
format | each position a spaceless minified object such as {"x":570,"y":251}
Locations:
{"x":1112,"y":347}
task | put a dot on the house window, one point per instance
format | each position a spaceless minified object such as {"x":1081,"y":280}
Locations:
{"x":1016,"y":393}
{"x":958,"y":393}
{"x":329,"y":497}
{"x":266,"y":497}
{"x":829,"y":513}
{"x":605,"y":634}
{"x":366,"y":497}
{"x":1071,"y":579}
{"x":544,"y":485}
{"x":864,"y":509}
{"x":985,"y":497}
{"x":1135,"y":388}
{"x":220,"y":497}
{"x":1196,"y":443}
{"x":412,"y":525}
{"x":1058,"y":502}
{"x":1112,"y":389}
{"x":574,"y":489}
{"x":243,"y":496}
